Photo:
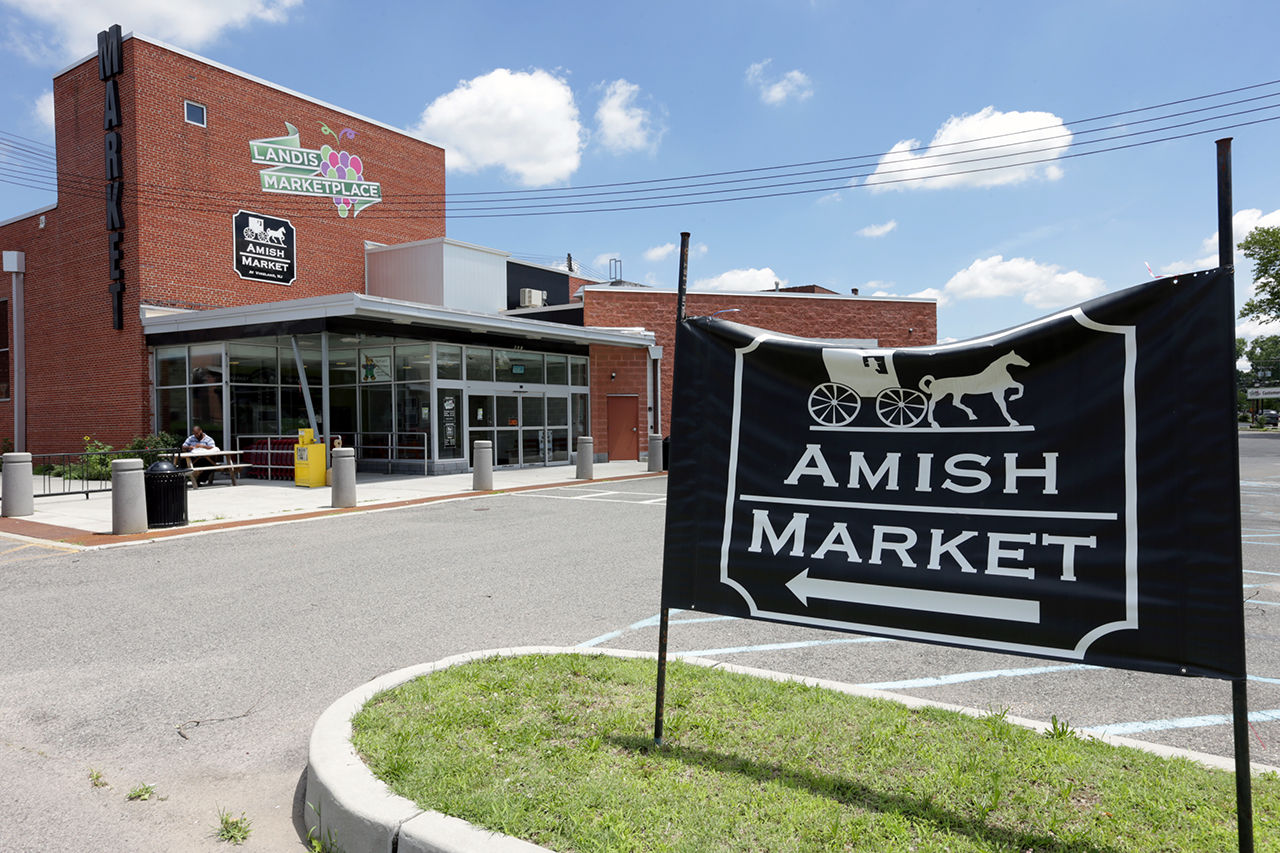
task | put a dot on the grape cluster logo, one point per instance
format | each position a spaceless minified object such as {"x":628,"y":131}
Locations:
{"x":323,"y":172}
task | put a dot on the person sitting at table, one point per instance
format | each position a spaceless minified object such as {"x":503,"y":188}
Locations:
{"x":200,"y":442}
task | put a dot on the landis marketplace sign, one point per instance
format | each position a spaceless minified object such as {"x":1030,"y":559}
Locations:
{"x":1066,"y":489}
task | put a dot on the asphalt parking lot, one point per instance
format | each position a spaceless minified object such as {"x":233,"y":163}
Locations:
{"x":200,"y":664}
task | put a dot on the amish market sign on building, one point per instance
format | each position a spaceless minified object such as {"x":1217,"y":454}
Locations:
{"x":265,"y":248}
{"x":1005,"y":493}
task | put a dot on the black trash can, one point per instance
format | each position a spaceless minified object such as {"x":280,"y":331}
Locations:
{"x":166,"y":490}
{"x":666,"y":453}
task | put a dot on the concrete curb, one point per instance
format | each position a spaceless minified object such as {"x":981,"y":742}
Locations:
{"x":347,"y":804}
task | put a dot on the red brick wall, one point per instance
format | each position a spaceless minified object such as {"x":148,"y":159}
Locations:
{"x":618,"y":370}
{"x":182,"y":186}
{"x":892,"y":323}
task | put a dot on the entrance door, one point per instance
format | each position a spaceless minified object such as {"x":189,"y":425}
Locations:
{"x":624,"y":431}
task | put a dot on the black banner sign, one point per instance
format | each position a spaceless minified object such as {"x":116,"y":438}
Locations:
{"x":1066,"y":489}
{"x":265,"y":247}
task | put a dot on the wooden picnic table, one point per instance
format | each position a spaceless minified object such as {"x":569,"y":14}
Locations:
{"x":226,"y":460}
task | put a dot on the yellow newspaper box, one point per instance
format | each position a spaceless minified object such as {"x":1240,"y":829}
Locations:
{"x":308,"y":460}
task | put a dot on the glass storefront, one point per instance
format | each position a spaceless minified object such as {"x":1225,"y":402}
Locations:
{"x":405,"y":405}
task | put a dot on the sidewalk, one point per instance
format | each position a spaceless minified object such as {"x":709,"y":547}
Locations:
{"x":86,"y":522}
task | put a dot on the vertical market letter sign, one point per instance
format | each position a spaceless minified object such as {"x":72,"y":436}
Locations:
{"x":1061,"y":490}
{"x":315,"y":172}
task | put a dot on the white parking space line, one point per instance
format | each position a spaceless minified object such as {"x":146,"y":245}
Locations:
{"x":1256,"y":601}
{"x":652,"y":622}
{"x":1259,"y":572}
{"x":771,"y":647}
{"x":961,"y":677}
{"x":1179,"y":723}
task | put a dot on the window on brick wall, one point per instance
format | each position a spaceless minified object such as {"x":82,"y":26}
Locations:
{"x":194,"y":113}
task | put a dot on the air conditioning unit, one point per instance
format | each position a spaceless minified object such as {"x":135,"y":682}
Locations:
{"x":530,"y":298}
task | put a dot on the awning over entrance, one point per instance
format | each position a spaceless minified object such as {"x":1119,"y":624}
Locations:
{"x":318,"y":313}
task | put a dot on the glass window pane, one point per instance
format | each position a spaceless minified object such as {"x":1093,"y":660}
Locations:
{"x":310,"y":361}
{"x":533,"y":446}
{"x":449,"y":409}
{"x":343,"y":368}
{"x":559,"y":445}
{"x":508,"y":411}
{"x":342,"y":410}
{"x":375,"y":409}
{"x":557,"y":411}
{"x":479,"y":364}
{"x":578,"y":371}
{"x":557,"y":370}
{"x":171,"y":411}
{"x":580,"y":407}
{"x":531,"y":409}
{"x":481,"y":409}
{"x":375,"y":365}
{"x":413,"y":363}
{"x":252,"y":364}
{"x":517,"y":366}
{"x":506,"y":449}
{"x":413,"y":407}
{"x":254,"y":411}
{"x":206,"y":364}
{"x":171,"y":366}
{"x":448,"y":362}
{"x":293,"y":409}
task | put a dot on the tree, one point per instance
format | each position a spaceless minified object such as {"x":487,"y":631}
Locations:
{"x":1262,"y":246}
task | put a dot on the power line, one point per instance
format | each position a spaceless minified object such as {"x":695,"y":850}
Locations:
{"x":45,"y":176}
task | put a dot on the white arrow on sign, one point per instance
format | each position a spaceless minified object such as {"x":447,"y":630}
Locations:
{"x":804,"y":588}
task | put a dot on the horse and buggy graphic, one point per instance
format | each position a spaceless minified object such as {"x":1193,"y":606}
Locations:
{"x":864,"y":376}
{"x":258,"y":232}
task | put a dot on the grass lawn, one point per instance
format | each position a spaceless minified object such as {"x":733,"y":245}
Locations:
{"x":558,"y":750}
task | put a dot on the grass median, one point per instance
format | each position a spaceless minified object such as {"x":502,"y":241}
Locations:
{"x":558,"y":750}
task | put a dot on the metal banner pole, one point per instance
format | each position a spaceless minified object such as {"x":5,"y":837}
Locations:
{"x":1239,"y":689}
{"x":664,"y":619}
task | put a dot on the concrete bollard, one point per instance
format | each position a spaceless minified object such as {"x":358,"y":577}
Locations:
{"x":655,"y":452}
{"x":586,"y":456}
{"x":482,"y":466}
{"x":343,"y":491}
{"x":128,"y":497}
{"x":17,"y":493}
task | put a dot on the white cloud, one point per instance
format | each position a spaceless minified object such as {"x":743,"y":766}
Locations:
{"x":191,"y":24}
{"x":601,"y":261}
{"x":878,"y":230}
{"x":1019,"y":135}
{"x":621,"y":125}
{"x":775,"y":91}
{"x":1252,"y":328}
{"x":660,"y":253}
{"x":1242,"y":223}
{"x":525,"y":122}
{"x":738,"y":281}
{"x":667,"y":250}
{"x":929,"y":293}
{"x":42,"y":110}
{"x":1039,"y":285}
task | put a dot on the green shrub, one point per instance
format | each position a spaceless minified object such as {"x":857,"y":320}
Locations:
{"x":148,"y":447}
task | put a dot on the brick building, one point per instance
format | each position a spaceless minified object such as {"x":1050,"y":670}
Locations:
{"x":227,"y":252}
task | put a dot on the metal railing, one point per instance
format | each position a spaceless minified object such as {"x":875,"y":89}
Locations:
{"x":83,"y":473}
{"x":270,"y":457}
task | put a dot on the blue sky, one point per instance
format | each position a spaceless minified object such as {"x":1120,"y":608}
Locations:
{"x":547,"y":95}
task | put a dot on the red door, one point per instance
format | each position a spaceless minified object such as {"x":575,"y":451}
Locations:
{"x":624,"y":426}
